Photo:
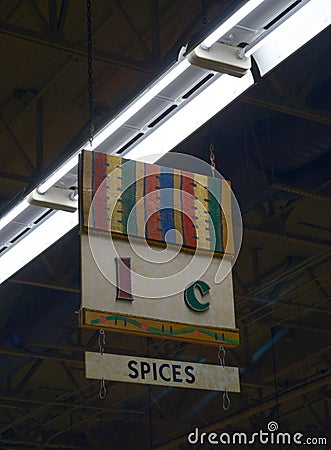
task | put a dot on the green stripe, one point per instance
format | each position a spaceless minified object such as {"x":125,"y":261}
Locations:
{"x":214,"y":196}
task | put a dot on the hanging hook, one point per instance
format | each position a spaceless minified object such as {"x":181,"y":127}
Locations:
{"x":226,"y":400}
{"x":221,"y":355}
{"x":103,"y":389}
{"x":102,"y":341}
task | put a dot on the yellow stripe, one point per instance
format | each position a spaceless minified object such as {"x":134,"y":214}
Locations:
{"x":228,"y":242}
{"x":140,"y":209}
{"x":113,"y":193}
{"x":87,"y":185}
{"x":202,"y":212}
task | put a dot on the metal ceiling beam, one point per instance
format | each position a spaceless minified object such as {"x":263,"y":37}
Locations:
{"x":301,"y":192}
{"x":52,"y":356}
{"x":64,"y":46}
{"x":33,"y":401}
{"x":282,"y":302}
{"x":57,"y":287}
{"x":40,"y":134}
{"x":263,"y":405}
{"x":26,"y":161}
{"x":16,"y":178}
{"x":137,"y":34}
{"x":304,"y":326}
{"x":62,"y":15}
{"x":304,"y":112}
{"x":270,"y":279}
{"x":52,"y":10}
{"x":289,"y":237}
{"x":17,"y":443}
{"x":155,"y":25}
{"x":40,"y":19}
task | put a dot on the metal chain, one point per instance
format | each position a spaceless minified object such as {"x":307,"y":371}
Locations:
{"x":102,"y":344}
{"x":90,"y":71}
{"x":226,"y":402}
{"x":204,"y":12}
{"x":212,"y":159}
{"x":212,"y":156}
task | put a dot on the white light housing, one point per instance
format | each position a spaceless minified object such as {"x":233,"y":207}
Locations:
{"x":313,"y":17}
{"x":232,"y":21}
{"x":190,"y":117}
{"x":14,"y":212}
{"x":35,"y":242}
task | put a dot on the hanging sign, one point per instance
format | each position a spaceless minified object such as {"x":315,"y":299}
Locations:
{"x":156,"y":251}
{"x":132,"y":369}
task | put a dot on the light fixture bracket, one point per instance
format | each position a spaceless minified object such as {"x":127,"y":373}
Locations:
{"x":54,"y":198}
{"x":220,"y":58}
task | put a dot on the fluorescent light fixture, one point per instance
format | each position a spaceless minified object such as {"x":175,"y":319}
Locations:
{"x":14,"y":212}
{"x":58,"y":174}
{"x":309,"y":20}
{"x":232,"y":21}
{"x":164,"y":81}
{"x":173,"y":73}
{"x":36,"y":241}
{"x":190,"y":117}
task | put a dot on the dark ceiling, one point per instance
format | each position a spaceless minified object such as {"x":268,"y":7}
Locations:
{"x":273,"y":144}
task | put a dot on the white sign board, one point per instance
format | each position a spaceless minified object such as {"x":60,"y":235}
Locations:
{"x":153,"y":310}
{"x":133,"y":369}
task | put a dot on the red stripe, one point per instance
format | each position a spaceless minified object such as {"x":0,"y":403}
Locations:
{"x":99,"y":201}
{"x":152,"y":203}
{"x":188,"y":210}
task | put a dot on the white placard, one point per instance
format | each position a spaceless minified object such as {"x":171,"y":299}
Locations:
{"x":162,"y":372}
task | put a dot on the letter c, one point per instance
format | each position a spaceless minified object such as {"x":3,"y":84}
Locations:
{"x":162,"y":366}
{"x":190,"y":299}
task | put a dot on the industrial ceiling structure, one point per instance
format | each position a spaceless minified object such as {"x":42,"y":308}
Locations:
{"x":273,"y":143}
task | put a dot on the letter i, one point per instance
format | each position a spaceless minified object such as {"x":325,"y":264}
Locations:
{"x":123,"y":272}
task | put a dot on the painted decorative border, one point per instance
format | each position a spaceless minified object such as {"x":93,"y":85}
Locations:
{"x":157,"y":328}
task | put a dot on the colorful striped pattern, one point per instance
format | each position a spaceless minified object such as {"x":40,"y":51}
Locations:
{"x":158,"y":328}
{"x":153,"y":202}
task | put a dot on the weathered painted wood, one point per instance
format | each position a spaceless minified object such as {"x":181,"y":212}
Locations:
{"x":162,"y":372}
{"x":158,"y":307}
{"x":171,"y":199}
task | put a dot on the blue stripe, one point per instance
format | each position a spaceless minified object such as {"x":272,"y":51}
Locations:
{"x":167,"y":205}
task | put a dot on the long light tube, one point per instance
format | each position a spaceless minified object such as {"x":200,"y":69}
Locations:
{"x":226,"y":26}
{"x":313,"y":17}
{"x":35,"y":242}
{"x":190,"y":117}
{"x":174,"y":72}
{"x":14,"y":212}
{"x":58,"y":174}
